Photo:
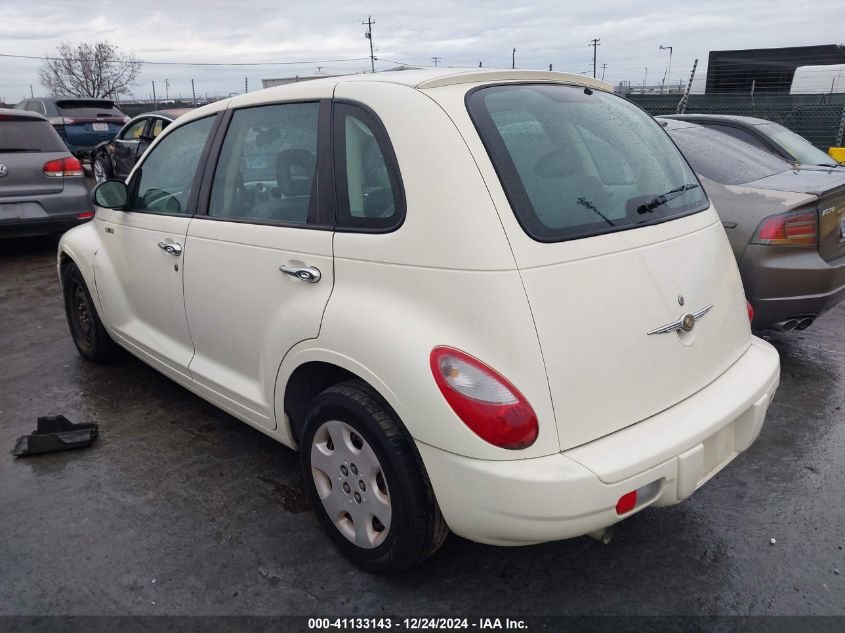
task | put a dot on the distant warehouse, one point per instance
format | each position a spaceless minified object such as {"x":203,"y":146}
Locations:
{"x":773,"y":70}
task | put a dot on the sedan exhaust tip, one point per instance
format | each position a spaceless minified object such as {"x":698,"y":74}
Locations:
{"x":787,"y":325}
{"x":804,"y":323}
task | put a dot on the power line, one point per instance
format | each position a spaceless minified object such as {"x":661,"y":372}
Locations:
{"x":156,"y":63}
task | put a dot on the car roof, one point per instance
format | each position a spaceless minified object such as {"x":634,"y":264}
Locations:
{"x":21,"y":114}
{"x":172,"y":114}
{"x":420,"y":79}
{"x":746,"y":120}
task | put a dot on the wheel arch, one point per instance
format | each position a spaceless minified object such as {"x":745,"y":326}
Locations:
{"x":304,"y":374}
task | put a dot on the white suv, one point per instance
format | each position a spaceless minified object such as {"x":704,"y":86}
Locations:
{"x":497,"y":301}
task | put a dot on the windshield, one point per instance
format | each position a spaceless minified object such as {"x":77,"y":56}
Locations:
{"x":804,"y":152}
{"x":725,"y":159}
{"x":576,"y":162}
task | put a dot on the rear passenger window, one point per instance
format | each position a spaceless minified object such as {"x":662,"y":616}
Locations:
{"x":369,"y":190}
{"x":268,"y":165}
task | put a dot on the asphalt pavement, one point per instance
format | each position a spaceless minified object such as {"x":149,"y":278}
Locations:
{"x":179,"y":508}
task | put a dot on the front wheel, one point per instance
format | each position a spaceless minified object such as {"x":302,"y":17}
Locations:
{"x":366,"y":481}
{"x":86,"y":329}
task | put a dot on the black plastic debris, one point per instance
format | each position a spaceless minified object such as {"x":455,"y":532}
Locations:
{"x":55,"y":433}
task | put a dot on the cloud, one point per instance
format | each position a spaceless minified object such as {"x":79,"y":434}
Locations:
{"x":461,"y":34}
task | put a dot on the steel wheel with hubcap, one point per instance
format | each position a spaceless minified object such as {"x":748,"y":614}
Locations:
{"x":350,"y":482}
{"x":367,"y":482}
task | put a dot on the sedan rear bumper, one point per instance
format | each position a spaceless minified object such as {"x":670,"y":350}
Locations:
{"x":668,"y":456}
{"x":787,"y":282}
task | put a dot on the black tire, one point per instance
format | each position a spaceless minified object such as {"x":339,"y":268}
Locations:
{"x":102,"y":165}
{"x":86,"y":329}
{"x":416,"y":528}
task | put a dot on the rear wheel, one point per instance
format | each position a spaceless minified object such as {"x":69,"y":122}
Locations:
{"x":86,"y":329}
{"x":366,"y":481}
{"x":102,"y":172}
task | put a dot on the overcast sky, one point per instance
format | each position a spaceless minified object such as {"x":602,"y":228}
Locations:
{"x":461,"y":34}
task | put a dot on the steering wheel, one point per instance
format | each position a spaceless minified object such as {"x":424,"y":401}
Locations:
{"x":160,"y":200}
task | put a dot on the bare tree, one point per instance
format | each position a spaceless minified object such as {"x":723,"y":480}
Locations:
{"x":98,"y":70}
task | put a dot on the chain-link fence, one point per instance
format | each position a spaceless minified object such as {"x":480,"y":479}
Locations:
{"x":818,"y":118}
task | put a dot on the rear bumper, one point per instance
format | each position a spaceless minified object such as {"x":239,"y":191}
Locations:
{"x":39,"y":226}
{"x":575,"y":492}
{"x":784,"y":282}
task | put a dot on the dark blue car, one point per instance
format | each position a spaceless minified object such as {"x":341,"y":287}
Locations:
{"x":82,"y":123}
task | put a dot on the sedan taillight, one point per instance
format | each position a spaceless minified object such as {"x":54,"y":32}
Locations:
{"x":483,"y":399}
{"x":788,"y":229}
{"x":60,"y":167}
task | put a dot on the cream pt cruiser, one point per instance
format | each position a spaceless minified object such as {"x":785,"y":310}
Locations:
{"x":492,"y":302}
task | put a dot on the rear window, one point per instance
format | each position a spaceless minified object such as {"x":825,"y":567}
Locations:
{"x":725,"y":159}
{"x":576,"y":162}
{"x":29,"y":136}
{"x":91,"y":109}
{"x":804,"y":152}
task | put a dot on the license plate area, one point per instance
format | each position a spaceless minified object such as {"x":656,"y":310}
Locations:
{"x":21,"y":210}
{"x":100,"y":127}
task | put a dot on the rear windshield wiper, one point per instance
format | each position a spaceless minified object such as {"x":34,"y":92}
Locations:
{"x":663,"y":198}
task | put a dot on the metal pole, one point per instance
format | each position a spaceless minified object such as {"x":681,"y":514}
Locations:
{"x":155,"y":101}
{"x":193,"y":93}
{"x":246,"y":85}
{"x":513,"y":59}
{"x":682,"y":104}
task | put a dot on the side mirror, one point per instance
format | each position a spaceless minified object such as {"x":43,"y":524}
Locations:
{"x":111,"y":194}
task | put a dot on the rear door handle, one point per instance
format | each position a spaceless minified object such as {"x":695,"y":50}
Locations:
{"x":173,"y":248}
{"x":729,"y":225}
{"x":308,"y":274}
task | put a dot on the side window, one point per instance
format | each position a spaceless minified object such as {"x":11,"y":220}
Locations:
{"x":36,"y":106}
{"x":165,"y":178}
{"x":134,"y":131}
{"x":369,"y":188}
{"x":738,"y":133}
{"x":158,"y":127}
{"x":268,"y":165}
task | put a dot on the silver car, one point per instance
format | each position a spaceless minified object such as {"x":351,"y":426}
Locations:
{"x":786,"y":224}
{"x":42,"y":187}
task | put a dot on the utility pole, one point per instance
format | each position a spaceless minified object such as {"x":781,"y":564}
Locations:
{"x":595,"y":43}
{"x":668,"y":74}
{"x":436,"y":60}
{"x":550,"y":68}
{"x":246,"y":85}
{"x":155,"y":101}
{"x":369,"y":35}
{"x":32,"y":94}
{"x":167,"y":89}
{"x":513,"y":58}
{"x":193,"y":93}
{"x":603,"y":68}
{"x":645,"y":78}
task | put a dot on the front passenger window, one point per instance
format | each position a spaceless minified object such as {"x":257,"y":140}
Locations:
{"x":166,"y":176}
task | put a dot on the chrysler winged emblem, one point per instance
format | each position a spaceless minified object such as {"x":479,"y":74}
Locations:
{"x":3,"y":170}
{"x":685,"y":324}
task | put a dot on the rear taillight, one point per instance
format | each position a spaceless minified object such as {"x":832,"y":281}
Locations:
{"x":69,"y":166}
{"x":483,"y":399}
{"x":788,"y":229}
{"x":85,"y":215}
{"x":750,"y":309}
